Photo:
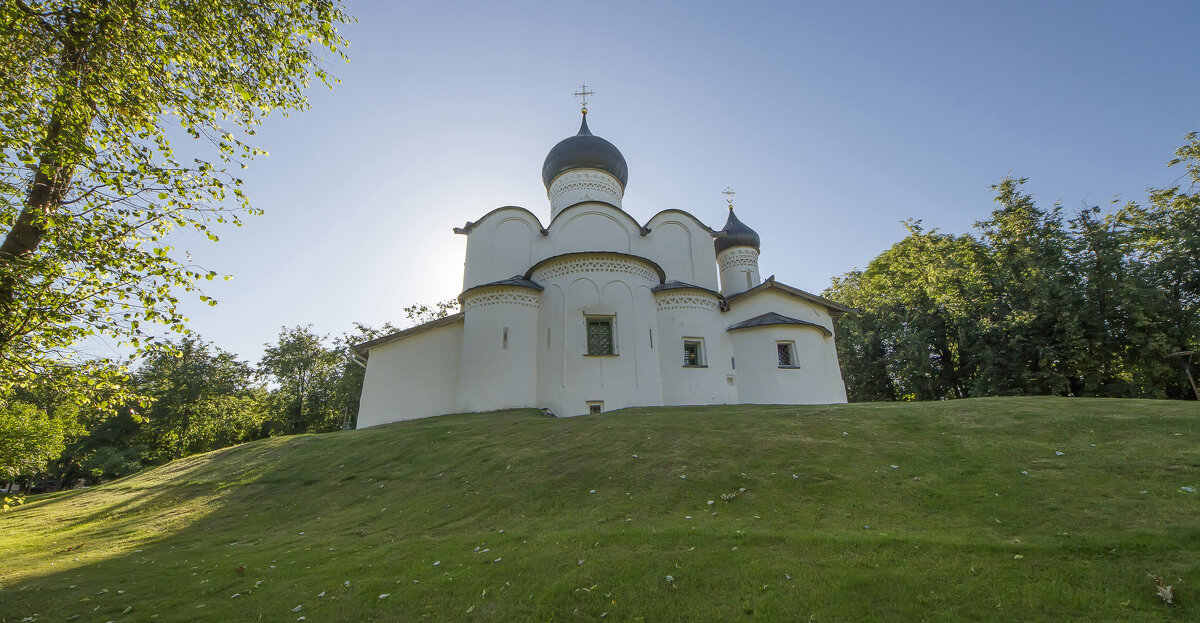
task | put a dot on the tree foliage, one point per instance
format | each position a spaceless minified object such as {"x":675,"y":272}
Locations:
{"x":95,"y":98}
{"x":422,"y":313}
{"x":29,"y":439}
{"x":306,"y":371}
{"x":201,"y":398}
{"x":1033,"y":303}
{"x":112,"y":446}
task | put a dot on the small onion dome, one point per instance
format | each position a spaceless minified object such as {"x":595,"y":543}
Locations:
{"x":584,"y":151}
{"x":735,"y":234}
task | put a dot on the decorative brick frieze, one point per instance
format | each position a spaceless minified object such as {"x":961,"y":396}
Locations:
{"x":738,"y":256}
{"x":586,"y":182}
{"x":489,"y":297}
{"x":691,"y":300}
{"x":579,"y":264}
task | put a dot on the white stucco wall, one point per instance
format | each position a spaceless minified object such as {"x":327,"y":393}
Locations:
{"x":691,"y":314}
{"x":412,"y":378}
{"x":499,"y":346}
{"x":818,"y":378}
{"x":763,"y":381}
{"x":596,"y":284}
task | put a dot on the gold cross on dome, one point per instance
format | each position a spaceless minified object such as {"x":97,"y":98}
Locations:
{"x":728,"y":192}
{"x":583,"y":94}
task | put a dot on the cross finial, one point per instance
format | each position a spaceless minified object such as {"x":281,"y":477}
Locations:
{"x":728,"y":192}
{"x":583,"y":94}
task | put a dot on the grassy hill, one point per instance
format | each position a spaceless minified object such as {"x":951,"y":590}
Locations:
{"x":952,"y":511}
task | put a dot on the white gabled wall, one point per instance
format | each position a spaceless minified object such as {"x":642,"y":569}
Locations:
{"x":412,"y":378}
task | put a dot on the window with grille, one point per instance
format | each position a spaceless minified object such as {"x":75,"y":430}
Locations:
{"x":787,"y":354}
{"x":600,"y":336}
{"x":693,"y":353}
{"x":595,"y":406}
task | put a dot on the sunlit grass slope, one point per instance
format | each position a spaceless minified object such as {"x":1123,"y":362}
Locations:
{"x":953,"y":511}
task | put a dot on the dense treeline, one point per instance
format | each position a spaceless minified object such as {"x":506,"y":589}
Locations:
{"x":1034,"y":302}
{"x":193,"y":397}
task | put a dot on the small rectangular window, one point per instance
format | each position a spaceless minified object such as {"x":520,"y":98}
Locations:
{"x":787,"y":354}
{"x":504,"y":339}
{"x":595,"y":406}
{"x":600,"y":335}
{"x":693,"y":352}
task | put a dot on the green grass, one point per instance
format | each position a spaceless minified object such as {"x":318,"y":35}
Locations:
{"x":826,"y":529}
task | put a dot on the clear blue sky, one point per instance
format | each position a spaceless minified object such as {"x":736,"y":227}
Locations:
{"x":833,"y":122}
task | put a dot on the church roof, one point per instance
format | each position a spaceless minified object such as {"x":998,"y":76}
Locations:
{"x":772,"y":318}
{"x":362,"y":349}
{"x":680,"y":285}
{"x":835,"y":309}
{"x":515,"y":280}
{"x":584,"y":151}
{"x":735,"y":234}
{"x":662,"y":275}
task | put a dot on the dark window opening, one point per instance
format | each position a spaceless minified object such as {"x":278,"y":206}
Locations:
{"x":600,"y":336}
{"x":786,"y":353}
{"x":693,"y":353}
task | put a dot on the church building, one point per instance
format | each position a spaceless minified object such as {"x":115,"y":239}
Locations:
{"x":594,"y":311}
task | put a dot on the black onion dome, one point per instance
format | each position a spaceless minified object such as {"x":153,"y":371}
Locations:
{"x":736,"y":234}
{"x":584,"y":151}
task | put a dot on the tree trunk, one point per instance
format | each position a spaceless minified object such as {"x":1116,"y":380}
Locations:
{"x":68,"y":126}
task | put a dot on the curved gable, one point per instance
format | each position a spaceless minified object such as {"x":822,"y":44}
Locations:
{"x":590,"y":226}
{"x":675,"y":214}
{"x":499,"y":245}
{"x":683,"y":246}
{"x":471,"y":225}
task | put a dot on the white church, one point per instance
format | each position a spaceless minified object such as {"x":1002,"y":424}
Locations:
{"x":594,"y":311}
